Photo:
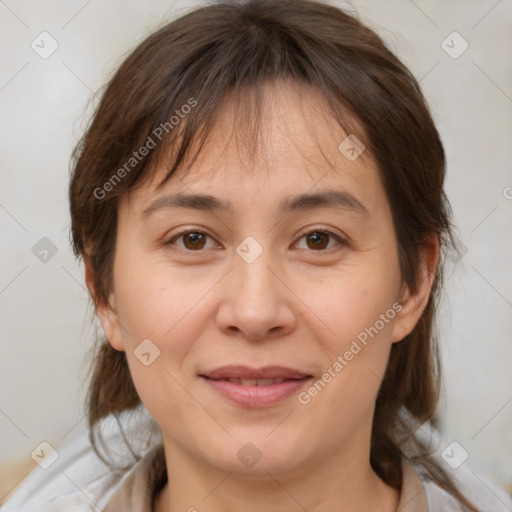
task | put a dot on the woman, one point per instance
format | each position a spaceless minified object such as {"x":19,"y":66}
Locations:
{"x":259,"y":206}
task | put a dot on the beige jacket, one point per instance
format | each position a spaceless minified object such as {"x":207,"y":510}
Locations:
{"x":78,"y":482}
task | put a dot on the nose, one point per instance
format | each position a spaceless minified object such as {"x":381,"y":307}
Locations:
{"x":256,"y":300}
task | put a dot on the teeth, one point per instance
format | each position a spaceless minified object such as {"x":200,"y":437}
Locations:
{"x":266,"y":382}
{"x":255,"y":382}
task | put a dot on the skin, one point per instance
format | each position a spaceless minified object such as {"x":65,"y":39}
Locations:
{"x":295,"y":305}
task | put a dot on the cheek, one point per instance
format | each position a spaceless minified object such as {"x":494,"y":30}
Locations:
{"x":355,"y":361}
{"x":356,"y":313}
{"x":169,"y":308}
{"x":347,"y":304}
{"x":153,"y":299}
{"x":161,"y":327}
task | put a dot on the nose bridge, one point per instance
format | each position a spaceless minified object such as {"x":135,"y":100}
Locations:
{"x":252,"y":273}
{"x":256,"y":301}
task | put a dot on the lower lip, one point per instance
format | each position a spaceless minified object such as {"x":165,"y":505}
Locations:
{"x":257,"y":396}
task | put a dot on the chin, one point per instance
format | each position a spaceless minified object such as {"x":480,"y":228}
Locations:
{"x":259,"y":453}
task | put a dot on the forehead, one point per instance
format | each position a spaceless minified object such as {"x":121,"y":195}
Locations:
{"x":297,"y":145}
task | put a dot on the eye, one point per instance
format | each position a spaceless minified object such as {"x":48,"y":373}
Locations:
{"x":318,"y":240}
{"x":193,"y":240}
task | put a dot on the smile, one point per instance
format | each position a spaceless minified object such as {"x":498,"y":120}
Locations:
{"x":254,"y":382}
{"x":256,"y":393}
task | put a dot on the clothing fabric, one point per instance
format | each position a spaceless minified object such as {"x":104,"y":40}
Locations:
{"x":78,"y":481}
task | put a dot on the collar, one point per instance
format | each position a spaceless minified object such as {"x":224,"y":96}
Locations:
{"x":137,"y":490}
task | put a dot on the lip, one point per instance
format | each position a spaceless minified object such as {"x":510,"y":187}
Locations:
{"x":256,"y":396}
{"x":245,"y":372}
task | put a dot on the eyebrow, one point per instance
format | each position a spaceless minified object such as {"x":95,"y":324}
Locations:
{"x":335,"y":199}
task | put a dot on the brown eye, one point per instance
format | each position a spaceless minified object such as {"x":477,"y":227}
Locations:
{"x":194,"y":240}
{"x":190,"y":240}
{"x":317,"y":240}
{"x":320,"y":240}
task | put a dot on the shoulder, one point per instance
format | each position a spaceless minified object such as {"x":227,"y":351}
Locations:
{"x":79,"y":480}
{"x":76,"y":476}
{"x":481,"y":491}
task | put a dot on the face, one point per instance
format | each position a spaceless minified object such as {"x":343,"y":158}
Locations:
{"x":311,"y":286}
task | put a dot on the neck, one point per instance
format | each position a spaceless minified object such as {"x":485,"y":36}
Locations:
{"x":336,"y":483}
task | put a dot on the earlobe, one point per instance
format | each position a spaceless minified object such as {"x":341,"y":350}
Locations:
{"x":106,"y":313}
{"x":110,"y":323}
{"x":408,"y":316}
{"x":415,"y":299}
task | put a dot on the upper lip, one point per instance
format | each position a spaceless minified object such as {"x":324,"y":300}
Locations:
{"x":245,"y":372}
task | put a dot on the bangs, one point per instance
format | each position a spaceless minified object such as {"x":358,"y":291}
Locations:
{"x":164,"y":121}
{"x":242,"y":115}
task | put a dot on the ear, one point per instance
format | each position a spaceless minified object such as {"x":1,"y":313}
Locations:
{"x":414,"y":301}
{"x":106,"y":312}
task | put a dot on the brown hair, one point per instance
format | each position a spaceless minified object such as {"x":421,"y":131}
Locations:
{"x":229,"y":50}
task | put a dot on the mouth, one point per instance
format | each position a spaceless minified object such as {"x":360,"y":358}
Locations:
{"x":253,"y":382}
{"x":256,"y":388}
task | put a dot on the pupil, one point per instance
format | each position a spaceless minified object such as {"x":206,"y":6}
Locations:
{"x":193,"y":238}
{"x":316,"y":238}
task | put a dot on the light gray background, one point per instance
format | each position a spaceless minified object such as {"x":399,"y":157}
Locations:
{"x":45,"y":107}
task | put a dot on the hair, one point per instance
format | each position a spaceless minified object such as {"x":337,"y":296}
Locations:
{"x":178,"y":80}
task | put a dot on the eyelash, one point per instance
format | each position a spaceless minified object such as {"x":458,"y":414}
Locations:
{"x":177,"y":236}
